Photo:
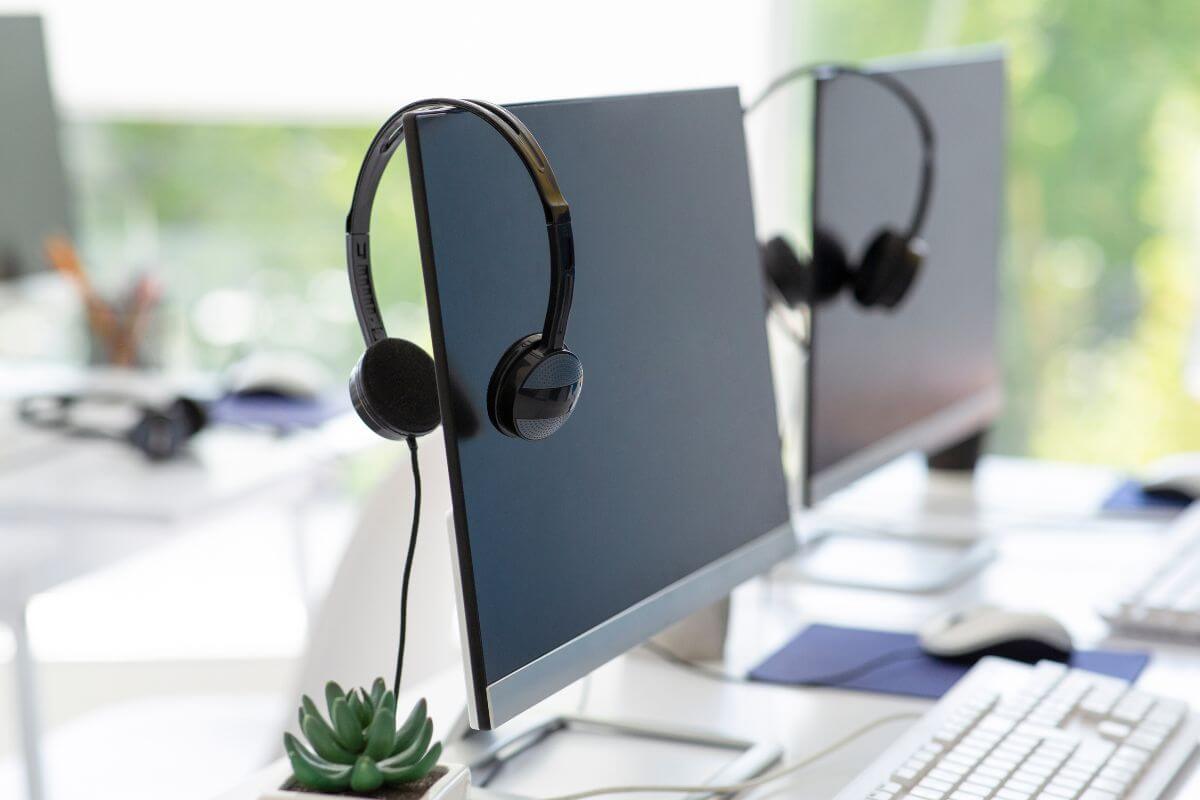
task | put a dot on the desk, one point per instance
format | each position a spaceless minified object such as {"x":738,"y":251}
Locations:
{"x":70,"y":506}
{"x":1064,"y":564}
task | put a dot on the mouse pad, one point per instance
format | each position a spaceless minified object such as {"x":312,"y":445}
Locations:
{"x":892,"y":663}
{"x":1129,"y":496}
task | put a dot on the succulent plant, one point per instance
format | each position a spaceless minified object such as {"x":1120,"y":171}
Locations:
{"x":360,"y":749}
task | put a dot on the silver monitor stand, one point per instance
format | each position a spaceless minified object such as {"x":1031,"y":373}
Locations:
{"x":481,"y":751}
{"x":488,"y":750}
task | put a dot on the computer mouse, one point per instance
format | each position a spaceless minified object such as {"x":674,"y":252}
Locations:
{"x":990,"y":631}
{"x":277,"y":374}
{"x":1173,"y":477}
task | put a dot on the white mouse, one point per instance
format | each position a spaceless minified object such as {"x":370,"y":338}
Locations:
{"x":990,"y":631}
{"x":278,"y":374}
{"x":1176,"y":475}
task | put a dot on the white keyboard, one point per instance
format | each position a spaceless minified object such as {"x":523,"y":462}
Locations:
{"x":1167,"y":603}
{"x":1010,"y":731}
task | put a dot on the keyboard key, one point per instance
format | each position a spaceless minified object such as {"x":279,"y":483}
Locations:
{"x":1065,"y":735}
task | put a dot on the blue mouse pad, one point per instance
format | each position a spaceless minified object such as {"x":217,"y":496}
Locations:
{"x":892,"y":663}
{"x":1128,"y":496}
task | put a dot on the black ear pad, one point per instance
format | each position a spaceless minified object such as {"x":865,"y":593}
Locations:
{"x":533,"y":391}
{"x":159,"y":435}
{"x":191,"y":415}
{"x":831,"y":269}
{"x":801,"y":281}
{"x":889,"y":267}
{"x":394,"y":389}
{"x":785,"y":271}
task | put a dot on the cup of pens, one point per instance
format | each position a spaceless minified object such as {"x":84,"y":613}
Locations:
{"x":118,"y":330}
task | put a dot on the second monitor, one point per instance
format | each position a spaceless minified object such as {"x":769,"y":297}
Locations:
{"x":925,"y":374}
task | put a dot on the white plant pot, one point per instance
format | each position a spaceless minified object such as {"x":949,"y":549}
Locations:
{"x":451,"y":786}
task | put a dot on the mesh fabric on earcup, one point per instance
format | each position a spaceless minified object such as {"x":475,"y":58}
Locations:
{"x":559,"y":369}
{"x":399,"y":384}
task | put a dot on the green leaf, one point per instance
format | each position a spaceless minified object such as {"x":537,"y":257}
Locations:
{"x":412,"y":726}
{"x":377,"y":690}
{"x":412,"y":772}
{"x":321,"y":737}
{"x":366,"y":777}
{"x":358,"y":705}
{"x":332,"y":692}
{"x":311,"y":771}
{"x":309,"y":706}
{"x":381,"y":735}
{"x":388,"y":701}
{"x":412,"y":753}
{"x":346,"y":728}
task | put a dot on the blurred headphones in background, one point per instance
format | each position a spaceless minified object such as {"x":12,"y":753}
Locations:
{"x":535,"y":385}
{"x":160,"y":432}
{"x":892,"y":260}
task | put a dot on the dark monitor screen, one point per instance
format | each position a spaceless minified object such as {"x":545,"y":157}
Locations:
{"x":665,"y":488}
{"x":33,"y":186}
{"x":924,"y":375}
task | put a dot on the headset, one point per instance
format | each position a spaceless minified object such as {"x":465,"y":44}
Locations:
{"x":537,"y":381}
{"x":160,"y":433}
{"x":893,"y":258}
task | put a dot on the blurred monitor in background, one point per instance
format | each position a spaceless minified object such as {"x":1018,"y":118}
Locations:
{"x":33,"y":186}
{"x":925,"y":374}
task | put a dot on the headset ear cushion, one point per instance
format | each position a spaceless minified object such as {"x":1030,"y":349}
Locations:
{"x":889,"y":267}
{"x":830,"y":268}
{"x":191,"y":415}
{"x":158,"y":434}
{"x":799,"y":281}
{"x":785,"y":271}
{"x":394,"y":389}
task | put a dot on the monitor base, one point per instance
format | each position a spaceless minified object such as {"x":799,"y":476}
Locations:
{"x":867,"y":559}
{"x":482,"y":751}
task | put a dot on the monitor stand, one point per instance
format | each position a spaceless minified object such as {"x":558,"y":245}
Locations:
{"x":863,"y":558}
{"x":484,"y":751}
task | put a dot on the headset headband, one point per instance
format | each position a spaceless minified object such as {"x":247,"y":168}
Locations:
{"x":906,"y":98}
{"x":554,"y":206}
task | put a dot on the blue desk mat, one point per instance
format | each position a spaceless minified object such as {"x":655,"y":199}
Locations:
{"x":1128,"y":496}
{"x":281,"y":413}
{"x":892,"y":663}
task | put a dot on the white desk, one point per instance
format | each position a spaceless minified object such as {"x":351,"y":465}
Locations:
{"x":1064,"y":565}
{"x":70,"y":506}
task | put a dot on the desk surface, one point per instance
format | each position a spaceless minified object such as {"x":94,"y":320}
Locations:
{"x":1053,"y":555}
{"x":70,"y":505}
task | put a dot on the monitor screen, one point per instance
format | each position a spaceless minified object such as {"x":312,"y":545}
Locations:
{"x":665,"y":488}
{"x":33,"y":186}
{"x":924,"y":375}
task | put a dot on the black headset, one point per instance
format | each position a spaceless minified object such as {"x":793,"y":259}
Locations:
{"x":160,"y":433}
{"x":537,"y":381}
{"x":891,"y":262}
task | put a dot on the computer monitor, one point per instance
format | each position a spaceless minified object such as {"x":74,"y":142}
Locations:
{"x":665,"y":489}
{"x":33,"y":186}
{"x":924,"y":375}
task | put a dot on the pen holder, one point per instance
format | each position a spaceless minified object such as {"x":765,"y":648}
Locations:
{"x":124,"y":338}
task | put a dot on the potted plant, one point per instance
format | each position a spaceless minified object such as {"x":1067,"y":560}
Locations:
{"x":360,"y":751}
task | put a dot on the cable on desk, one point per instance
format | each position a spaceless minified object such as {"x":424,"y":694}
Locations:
{"x":408,"y":562}
{"x":761,"y":780}
{"x":831,"y":679}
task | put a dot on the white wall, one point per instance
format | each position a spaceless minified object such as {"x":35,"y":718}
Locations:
{"x":357,"y":59}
